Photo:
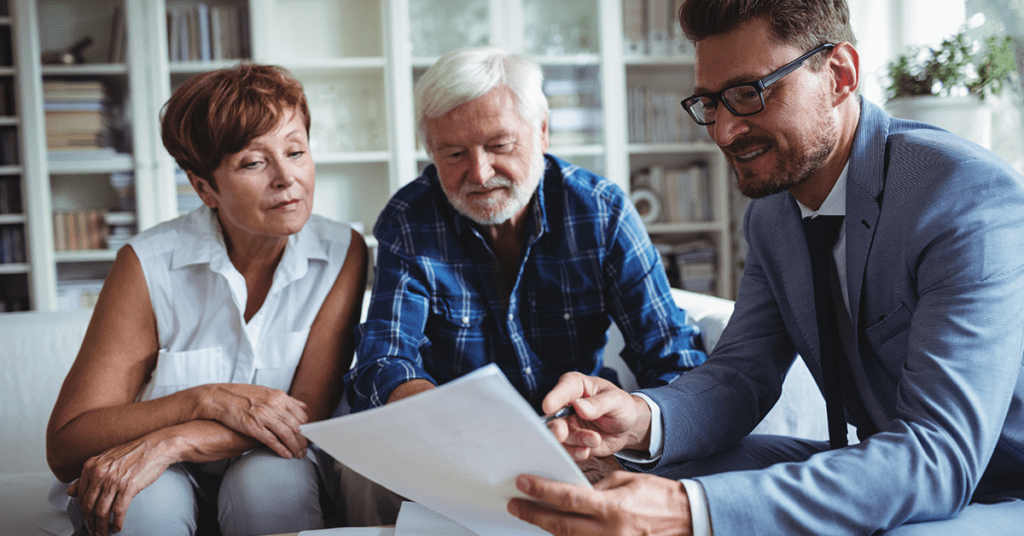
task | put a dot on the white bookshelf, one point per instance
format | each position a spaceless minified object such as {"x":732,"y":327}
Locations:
{"x":358,"y":60}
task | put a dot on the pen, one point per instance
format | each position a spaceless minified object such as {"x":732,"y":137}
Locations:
{"x":564,"y":412}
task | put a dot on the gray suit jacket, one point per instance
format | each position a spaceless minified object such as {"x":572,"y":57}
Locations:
{"x":935,"y":272}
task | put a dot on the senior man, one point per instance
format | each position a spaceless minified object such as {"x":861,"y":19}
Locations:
{"x":501,"y":253}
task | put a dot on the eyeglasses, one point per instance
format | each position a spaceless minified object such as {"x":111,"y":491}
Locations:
{"x":744,"y":99}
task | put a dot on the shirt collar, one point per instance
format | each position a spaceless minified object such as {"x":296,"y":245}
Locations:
{"x":202,"y":242}
{"x":835,"y":203}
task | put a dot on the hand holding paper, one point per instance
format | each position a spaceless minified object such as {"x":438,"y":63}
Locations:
{"x":457,"y":449}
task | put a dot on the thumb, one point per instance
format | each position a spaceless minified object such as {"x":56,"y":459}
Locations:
{"x":73,"y":489}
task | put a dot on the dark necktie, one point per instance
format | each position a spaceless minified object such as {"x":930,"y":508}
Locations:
{"x":821,"y":234}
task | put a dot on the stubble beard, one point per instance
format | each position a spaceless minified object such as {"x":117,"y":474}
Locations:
{"x":793,"y":167}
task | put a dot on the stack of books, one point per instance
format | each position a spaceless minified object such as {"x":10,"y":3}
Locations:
{"x":79,"y":230}
{"x":575,"y":112}
{"x":655,"y":116}
{"x":682,"y":195}
{"x":650,"y":27}
{"x":12,"y":244}
{"x":690,"y":266}
{"x":10,"y":196}
{"x":203,"y":32}
{"x":76,"y":115}
{"x":121,"y":227}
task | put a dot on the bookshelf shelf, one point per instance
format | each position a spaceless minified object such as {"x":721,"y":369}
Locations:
{"x":10,"y":170}
{"x":7,"y":71}
{"x":89,"y":255}
{"x":661,"y":60}
{"x":14,"y":268}
{"x":8,"y":121}
{"x":196,"y":67}
{"x":12,"y":219}
{"x":354,"y":157}
{"x":90,"y":166}
{"x":86,"y":69}
{"x":695,"y":227}
{"x":669,"y":148}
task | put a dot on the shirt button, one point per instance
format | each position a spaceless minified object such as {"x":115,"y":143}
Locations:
{"x":465,"y":320}
{"x":511,"y":317}
{"x":527,"y":370}
{"x":566,"y":316}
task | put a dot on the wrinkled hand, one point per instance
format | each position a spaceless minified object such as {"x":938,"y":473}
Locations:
{"x":268,"y":415}
{"x":112,"y":479}
{"x":607,"y":418}
{"x":622,"y":504}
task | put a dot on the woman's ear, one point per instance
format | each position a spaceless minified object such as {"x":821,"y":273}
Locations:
{"x":844,"y":67}
{"x":203,"y":189}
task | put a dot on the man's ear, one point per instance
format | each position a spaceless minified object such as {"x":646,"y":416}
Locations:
{"x":844,"y":68}
{"x":545,"y":137}
{"x":203,"y":188}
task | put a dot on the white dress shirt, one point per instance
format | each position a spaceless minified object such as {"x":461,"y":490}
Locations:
{"x":199,"y":301}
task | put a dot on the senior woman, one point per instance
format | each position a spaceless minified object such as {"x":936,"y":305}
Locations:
{"x":217,"y":334}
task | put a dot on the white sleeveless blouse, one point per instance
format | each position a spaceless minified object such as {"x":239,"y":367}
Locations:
{"x":199,"y":301}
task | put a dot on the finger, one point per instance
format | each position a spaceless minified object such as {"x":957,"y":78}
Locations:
{"x":608,"y":402}
{"x":561,"y":496}
{"x":294,"y":441}
{"x":102,"y":511}
{"x":569,"y":388}
{"x":560,"y":429}
{"x":73,"y":489}
{"x":120,"y":508}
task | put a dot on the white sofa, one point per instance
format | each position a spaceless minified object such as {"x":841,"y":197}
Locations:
{"x":37,"y":349}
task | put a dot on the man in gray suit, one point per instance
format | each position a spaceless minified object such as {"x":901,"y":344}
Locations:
{"x":913,"y":326}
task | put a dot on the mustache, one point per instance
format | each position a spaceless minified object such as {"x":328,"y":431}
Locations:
{"x":498,"y":181}
{"x":745,"y":144}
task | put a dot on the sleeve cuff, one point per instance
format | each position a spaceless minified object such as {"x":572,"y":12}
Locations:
{"x":700,"y":513}
{"x":656,"y":447}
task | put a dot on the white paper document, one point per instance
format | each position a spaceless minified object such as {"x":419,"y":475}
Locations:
{"x":414,"y":519}
{"x":456,"y":449}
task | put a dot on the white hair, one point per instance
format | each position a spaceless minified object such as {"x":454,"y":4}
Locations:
{"x":467,"y":74}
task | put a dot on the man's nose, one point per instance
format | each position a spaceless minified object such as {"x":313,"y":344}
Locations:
{"x":481,"y":166}
{"x":727,"y":127}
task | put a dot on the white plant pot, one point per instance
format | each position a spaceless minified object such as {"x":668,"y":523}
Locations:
{"x":967,"y":117}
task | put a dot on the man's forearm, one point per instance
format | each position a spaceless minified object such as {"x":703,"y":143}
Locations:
{"x":409,"y":388}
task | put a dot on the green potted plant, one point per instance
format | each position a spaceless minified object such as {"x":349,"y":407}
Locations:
{"x":947,"y":85}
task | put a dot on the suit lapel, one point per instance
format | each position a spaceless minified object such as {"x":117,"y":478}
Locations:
{"x":865,"y":181}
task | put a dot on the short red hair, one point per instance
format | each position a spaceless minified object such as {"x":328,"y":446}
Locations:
{"x":218,"y":113}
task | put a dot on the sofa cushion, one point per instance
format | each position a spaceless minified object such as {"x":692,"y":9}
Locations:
{"x":39,"y":348}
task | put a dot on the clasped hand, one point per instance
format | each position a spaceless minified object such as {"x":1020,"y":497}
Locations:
{"x":270,"y":416}
{"x":110,"y":480}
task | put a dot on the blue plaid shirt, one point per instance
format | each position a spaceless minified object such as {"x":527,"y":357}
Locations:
{"x":441,"y":307}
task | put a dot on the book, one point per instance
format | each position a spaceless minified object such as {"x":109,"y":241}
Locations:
{"x":117,"y":36}
{"x":634,"y":31}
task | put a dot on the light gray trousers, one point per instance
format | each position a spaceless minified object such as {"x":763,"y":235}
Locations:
{"x":258,"y":492}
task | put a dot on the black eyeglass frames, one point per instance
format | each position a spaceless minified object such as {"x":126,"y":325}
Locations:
{"x":743,"y":99}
